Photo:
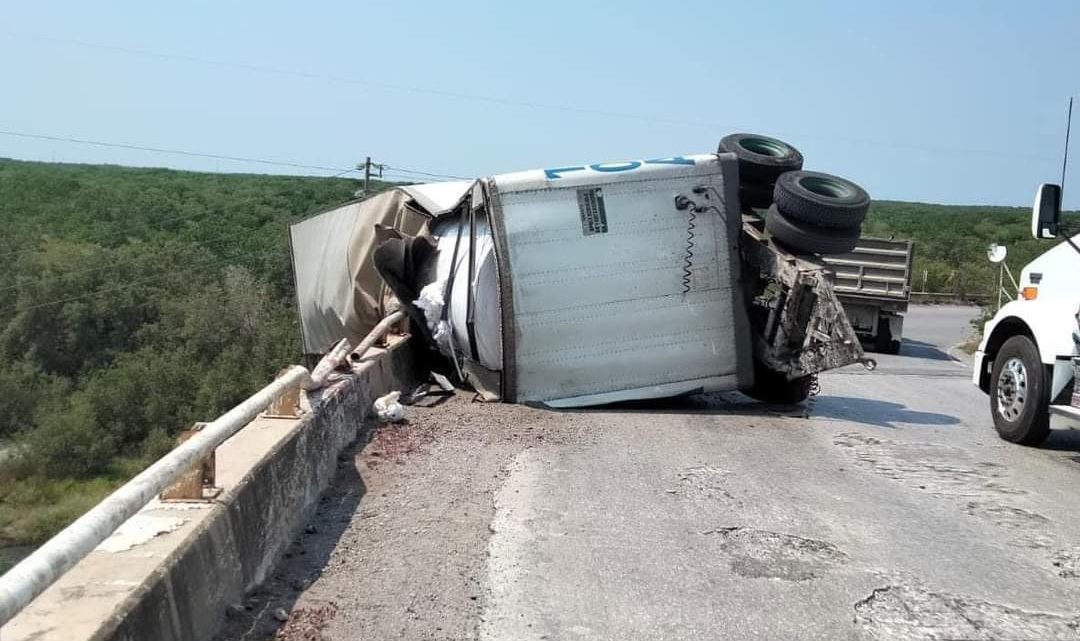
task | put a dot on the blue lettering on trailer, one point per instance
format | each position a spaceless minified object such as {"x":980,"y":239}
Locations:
{"x":616,"y":166}
{"x":674,"y":160}
{"x":612,"y":167}
{"x":552,"y":174}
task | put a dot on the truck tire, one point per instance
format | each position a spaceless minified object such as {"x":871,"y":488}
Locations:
{"x":1020,"y":393}
{"x":821,"y":199}
{"x":761,"y":159}
{"x":803,"y":238}
{"x":771,"y":386}
{"x":883,"y":340}
{"x":756,"y":196}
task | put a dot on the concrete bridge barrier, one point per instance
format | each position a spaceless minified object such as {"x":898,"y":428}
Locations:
{"x":170,"y":571}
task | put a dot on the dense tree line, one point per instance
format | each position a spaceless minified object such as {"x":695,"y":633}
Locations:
{"x":133,"y":302}
{"x":951,"y":242}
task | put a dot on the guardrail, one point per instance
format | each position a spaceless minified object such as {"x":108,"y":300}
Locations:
{"x":34,"y":574}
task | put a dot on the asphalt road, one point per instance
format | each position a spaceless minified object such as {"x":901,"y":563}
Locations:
{"x":887,"y":509}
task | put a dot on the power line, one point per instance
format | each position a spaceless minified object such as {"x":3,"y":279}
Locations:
{"x":348,"y":80}
{"x":178,"y":152}
{"x":96,"y":292}
{"x":510,"y":101}
{"x":402,"y":170}
{"x":199,"y":154}
{"x":14,"y":255}
{"x":205,"y":243}
{"x":213,"y":240}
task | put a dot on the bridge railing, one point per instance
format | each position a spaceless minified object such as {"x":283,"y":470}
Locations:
{"x":34,"y":574}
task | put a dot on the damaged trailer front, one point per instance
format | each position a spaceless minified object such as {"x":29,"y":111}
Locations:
{"x":579,"y":285}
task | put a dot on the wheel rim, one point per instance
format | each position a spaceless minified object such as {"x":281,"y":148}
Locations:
{"x":764,"y":147}
{"x":1012,"y":389}
{"x":825,"y":187}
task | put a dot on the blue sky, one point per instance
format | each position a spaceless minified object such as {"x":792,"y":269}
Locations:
{"x":955,"y":102}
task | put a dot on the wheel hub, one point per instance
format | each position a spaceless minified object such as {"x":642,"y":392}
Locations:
{"x":1012,"y":389}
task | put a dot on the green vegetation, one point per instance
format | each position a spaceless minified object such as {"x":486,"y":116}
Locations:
{"x":951,"y":242}
{"x":133,"y":302}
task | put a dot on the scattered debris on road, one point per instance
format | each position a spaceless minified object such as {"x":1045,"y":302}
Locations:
{"x":307,"y":624}
{"x":388,"y":409}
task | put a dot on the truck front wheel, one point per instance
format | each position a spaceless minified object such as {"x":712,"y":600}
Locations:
{"x":1020,"y":393}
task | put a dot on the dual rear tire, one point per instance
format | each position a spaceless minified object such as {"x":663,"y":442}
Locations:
{"x":808,"y":212}
{"x":816,"y":213}
{"x":762,"y":160}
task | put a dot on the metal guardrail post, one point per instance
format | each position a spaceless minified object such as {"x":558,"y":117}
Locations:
{"x":35,"y":573}
{"x":197,"y":484}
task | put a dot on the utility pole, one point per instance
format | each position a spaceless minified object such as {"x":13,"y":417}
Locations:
{"x":368,"y":167}
{"x":1065,"y":159}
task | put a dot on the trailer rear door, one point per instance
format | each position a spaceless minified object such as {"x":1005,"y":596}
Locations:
{"x":609,"y":292}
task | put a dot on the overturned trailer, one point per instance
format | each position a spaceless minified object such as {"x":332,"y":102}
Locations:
{"x":580,"y":285}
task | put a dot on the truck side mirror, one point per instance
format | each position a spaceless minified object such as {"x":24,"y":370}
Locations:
{"x":1046,"y":213}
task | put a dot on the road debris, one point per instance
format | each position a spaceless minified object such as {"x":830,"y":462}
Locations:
{"x":307,"y":624}
{"x":388,"y":409}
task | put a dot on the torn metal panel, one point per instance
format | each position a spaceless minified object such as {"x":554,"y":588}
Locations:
{"x":799,"y":324}
{"x":339,"y":292}
{"x":438,"y":199}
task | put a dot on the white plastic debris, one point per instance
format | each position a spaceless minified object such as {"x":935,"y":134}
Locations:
{"x":388,"y":408}
{"x":432,"y":303}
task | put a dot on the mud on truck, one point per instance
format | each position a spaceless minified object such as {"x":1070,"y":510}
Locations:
{"x":589,"y":284}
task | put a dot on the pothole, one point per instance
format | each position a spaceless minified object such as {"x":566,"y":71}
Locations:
{"x":703,"y":482}
{"x":1006,"y":516}
{"x":763,"y":554}
{"x":903,"y":612}
{"x":945,"y":472}
{"x":938,"y":469}
{"x":1067,"y":563}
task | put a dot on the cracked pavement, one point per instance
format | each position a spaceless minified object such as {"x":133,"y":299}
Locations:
{"x":892,"y":512}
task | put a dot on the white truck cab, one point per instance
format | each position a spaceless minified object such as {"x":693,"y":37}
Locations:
{"x":1027,"y":359}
